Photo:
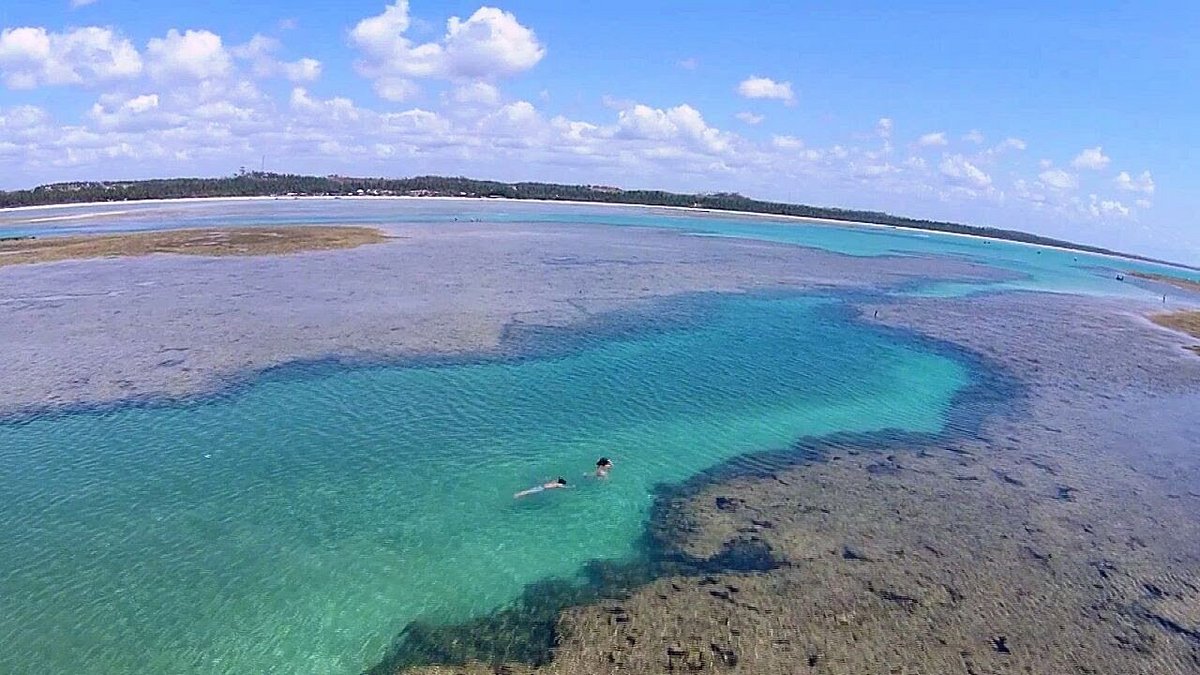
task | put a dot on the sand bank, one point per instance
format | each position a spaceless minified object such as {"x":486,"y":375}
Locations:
{"x":223,"y":241}
{"x":1184,"y":322}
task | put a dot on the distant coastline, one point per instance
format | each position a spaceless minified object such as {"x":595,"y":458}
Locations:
{"x":272,"y":185}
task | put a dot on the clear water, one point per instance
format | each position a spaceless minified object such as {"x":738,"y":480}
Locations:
{"x":297,"y":524}
{"x":1039,"y":268}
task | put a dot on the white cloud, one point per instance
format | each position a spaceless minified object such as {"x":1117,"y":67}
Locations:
{"x":690,"y":63}
{"x":337,"y":109}
{"x":33,"y":57}
{"x":76,"y":4}
{"x":787,"y":142}
{"x":1143,"y":203}
{"x":22,"y":117}
{"x":961,"y":170}
{"x":1091,"y":158}
{"x":194,"y":54}
{"x":936,"y":138}
{"x":304,"y":70}
{"x":749,"y":118}
{"x":1143,"y":183}
{"x":1106,"y":207}
{"x":973,"y":136}
{"x":141,"y":104}
{"x":260,"y":53}
{"x":683,"y":122}
{"x":476,"y":93}
{"x":884,"y":127}
{"x":1045,"y":163}
{"x":1058,"y":179}
{"x":765,"y":87}
{"x":489,"y":44}
{"x":395,"y":88}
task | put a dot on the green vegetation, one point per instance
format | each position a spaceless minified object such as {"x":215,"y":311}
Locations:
{"x":253,"y":184}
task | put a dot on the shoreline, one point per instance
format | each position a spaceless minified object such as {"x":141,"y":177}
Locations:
{"x":677,"y":209}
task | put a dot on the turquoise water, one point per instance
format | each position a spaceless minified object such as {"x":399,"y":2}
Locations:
{"x":1038,"y":268}
{"x":297,"y":524}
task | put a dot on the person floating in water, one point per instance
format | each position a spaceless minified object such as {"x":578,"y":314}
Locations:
{"x":603,"y":466}
{"x":557,"y":483}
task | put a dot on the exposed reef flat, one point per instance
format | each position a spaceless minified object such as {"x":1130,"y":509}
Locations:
{"x":221,"y":241}
{"x":1177,"y":282}
{"x":94,"y":332}
{"x":1061,"y":537}
{"x":1186,"y":322}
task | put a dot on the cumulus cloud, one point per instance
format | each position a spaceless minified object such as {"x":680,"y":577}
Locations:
{"x":193,"y":54}
{"x":489,"y":44}
{"x":1106,"y":207}
{"x":33,"y":57}
{"x":396,"y":88}
{"x":974,"y":136}
{"x":1143,"y":183}
{"x":260,"y":54}
{"x":1091,"y":158}
{"x":304,"y":70}
{"x":749,"y":118}
{"x":933,"y":139}
{"x":690,"y":63}
{"x":136,"y":113}
{"x":765,"y":87}
{"x":884,"y":127}
{"x":22,"y":117}
{"x":681,"y":123}
{"x":337,"y":108}
{"x":76,"y":4}
{"x":961,"y":170}
{"x":1058,"y":179}
{"x":476,"y":93}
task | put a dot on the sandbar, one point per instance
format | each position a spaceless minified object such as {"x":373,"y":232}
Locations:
{"x":222,"y":241}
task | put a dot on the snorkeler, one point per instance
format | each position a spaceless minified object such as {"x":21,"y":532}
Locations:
{"x":557,"y":483}
{"x":603,"y":466}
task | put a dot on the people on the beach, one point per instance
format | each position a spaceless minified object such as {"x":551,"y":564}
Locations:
{"x":554,"y":484}
{"x":603,"y":466}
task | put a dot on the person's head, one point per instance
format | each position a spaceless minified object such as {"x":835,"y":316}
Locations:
{"x":561,"y":481}
{"x":604,"y":463}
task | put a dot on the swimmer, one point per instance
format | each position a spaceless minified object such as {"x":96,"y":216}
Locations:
{"x":603,"y":466}
{"x":557,"y":483}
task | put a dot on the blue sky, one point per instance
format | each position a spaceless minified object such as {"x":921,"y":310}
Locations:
{"x":1075,"y":120}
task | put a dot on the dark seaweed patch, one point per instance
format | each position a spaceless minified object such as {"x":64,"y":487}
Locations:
{"x":527,"y":631}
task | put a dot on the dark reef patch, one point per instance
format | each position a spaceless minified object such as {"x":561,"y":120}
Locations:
{"x":527,"y":631}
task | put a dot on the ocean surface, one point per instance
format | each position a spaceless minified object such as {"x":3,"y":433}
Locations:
{"x":298,"y":523}
{"x":1039,"y":268}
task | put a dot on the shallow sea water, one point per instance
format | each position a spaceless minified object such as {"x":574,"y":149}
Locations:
{"x":298,"y":523}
